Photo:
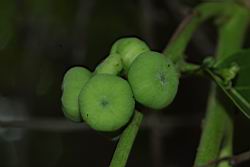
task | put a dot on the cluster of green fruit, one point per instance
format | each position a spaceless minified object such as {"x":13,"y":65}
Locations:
{"x":105,"y":100}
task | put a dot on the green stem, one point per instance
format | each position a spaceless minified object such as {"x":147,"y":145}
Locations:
{"x":178,"y":43}
{"x":232,"y":33}
{"x":213,"y":129}
{"x":219,"y":123}
{"x":188,"y":68}
{"x":227,"y":147}
{"x":126,"y":141}
{"x":232,"y":26}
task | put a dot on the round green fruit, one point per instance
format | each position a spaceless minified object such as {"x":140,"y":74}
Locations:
{"x":153,"y":79}
{"x":129,"y":49}
{"x":73,"y":81}
{"x":106,"y":102}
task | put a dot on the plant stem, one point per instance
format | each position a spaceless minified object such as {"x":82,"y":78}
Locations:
{"x":218,"y":122}
{"x":212,"y":131}
{"x":188,"y":68}
{"x":178,"y":43}
{"x":232,"y":26}
{"x":227,"y":147}
{"x":126,"y":142}
{"x":232,"y":33}
{"x":234,"y":160}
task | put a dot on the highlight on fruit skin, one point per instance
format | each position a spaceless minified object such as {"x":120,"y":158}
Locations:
{"x":111,"y":65}
{"x":106,"y":102}
{"x":153,"y":79}
{"x":73,"y":81}
{"x":129,"y":48}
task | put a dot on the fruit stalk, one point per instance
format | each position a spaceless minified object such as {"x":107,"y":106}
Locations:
{"x":126,"y":141}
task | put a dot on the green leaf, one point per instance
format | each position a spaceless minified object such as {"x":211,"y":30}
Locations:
{"x":233,"y":76}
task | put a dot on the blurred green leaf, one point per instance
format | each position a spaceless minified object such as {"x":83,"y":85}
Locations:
{"x":233,"y":76}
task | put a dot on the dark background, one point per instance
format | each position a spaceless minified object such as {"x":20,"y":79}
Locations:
{"x":41,"y":39}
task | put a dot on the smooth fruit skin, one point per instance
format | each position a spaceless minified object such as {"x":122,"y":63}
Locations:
{"x":106,"y":103}
{"x":73,"y":81}
{"x":153,"y":79}
{"x":129,"y":49}
{"x":111,"y":65}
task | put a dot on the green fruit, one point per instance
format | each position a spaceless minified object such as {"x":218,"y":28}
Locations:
{"x":106,"y":102}
{"x":129,"y":49}
{"x":73,"y":81}
{"x":153,"y":79}
{"x":111,"y":65}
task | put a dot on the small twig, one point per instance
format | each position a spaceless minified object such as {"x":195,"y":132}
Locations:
{"x":237,"y":159}
{"x":232,"y":160}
